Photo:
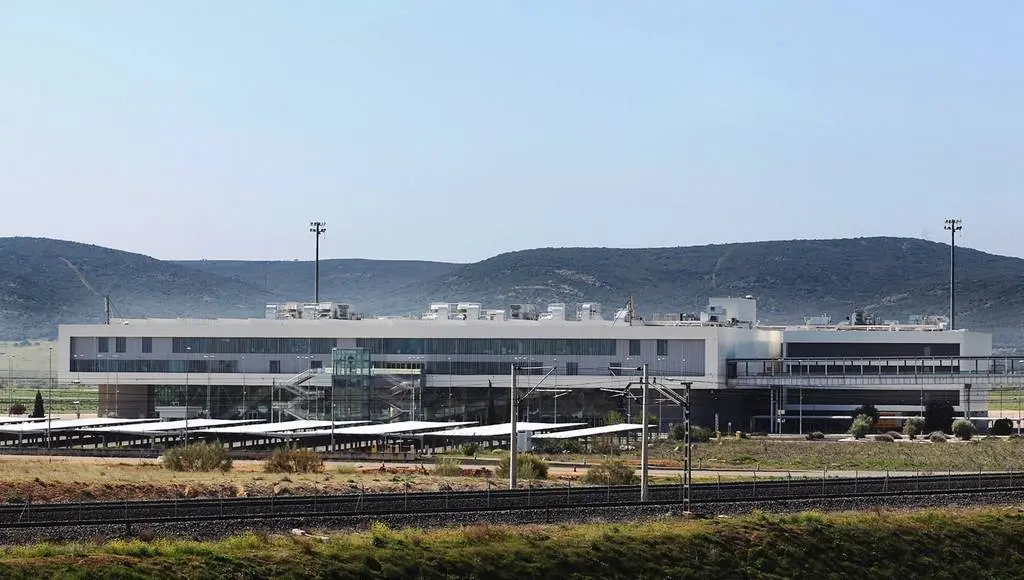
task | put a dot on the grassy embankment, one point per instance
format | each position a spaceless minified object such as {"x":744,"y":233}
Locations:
{"x":762,"y":453}
{"x":930,"y":544}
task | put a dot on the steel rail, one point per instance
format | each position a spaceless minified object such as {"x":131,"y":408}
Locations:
{"x":91,"y":513}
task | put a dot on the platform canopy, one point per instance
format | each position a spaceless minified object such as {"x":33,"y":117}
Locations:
{"x":590,"y":431}
{"x":19,"y":419}
{"x":66,"y":424}
{"x":163,"y":427}
{"x":502,"y":430}
{"x":378,"y":430}
{"x":278,"y":427}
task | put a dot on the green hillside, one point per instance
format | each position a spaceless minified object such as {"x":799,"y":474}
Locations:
{"x":44,"y":282}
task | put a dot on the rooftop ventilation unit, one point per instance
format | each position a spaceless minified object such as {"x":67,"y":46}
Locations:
{"x":522,"y":312}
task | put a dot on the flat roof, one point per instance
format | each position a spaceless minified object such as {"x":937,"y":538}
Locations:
{"x":65,"y":424}
{"x":380,"y":428}
{"x":280,"y":426}
{"x":503,"y":429}
{"x":159,"y":427}
{"x":589,"y":431}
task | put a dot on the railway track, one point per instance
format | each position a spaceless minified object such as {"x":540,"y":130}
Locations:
{"x":29,"y":515}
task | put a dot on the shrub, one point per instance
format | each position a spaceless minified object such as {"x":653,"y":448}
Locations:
{"x":861,"y":426}
{"x":197,"y":457}
{"x":963,"y":429}
{"x":937,"y":437}
{"x":895,"y":435}
{"x":470,"y":449}
{"x":869,"y":410}
{"x":1002,"y":427}
{"x":817,"y":435}
{"x":885,"y":437}
{"x":611,"y":472}
{"x":17,"y":409}
{"x":913,"y":427}
{"x":447,"y":467}
{"x":698,"y":434}
{"x":528,"y":467}
{"x":294,"y":460}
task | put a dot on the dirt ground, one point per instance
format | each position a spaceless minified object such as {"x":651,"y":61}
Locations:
{"x":68,"y":479}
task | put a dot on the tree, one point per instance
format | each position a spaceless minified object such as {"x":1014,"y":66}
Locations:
{"x":938,"y":415}
{"x":869,"y":410}
{"x":613,"y":417}
{"x":39,"y":410}
{"x":963,"y":429}
{"x":861,"y":426}
{"x":1002,"y":426}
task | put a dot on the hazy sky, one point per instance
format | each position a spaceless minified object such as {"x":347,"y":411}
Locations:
{"x":457,"y":130}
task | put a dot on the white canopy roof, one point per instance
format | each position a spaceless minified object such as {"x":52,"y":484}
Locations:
{"x":503,"y":429}
{"x":280,"y":426}
{"x":590,"y":431}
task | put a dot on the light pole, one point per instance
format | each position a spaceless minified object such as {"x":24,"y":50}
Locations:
{"x":317,"y":229}
{"x":49,"y":402}
{"x":208,"y":363}
{"x":952,"y":226}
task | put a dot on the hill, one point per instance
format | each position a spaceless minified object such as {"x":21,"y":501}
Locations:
{"x":365,"y":284}
{"x":41,"y":282}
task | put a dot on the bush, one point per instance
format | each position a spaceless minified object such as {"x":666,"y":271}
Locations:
{"x":869,"y":410}
{"x":913,"y":427}
{"x":1002,"y":427}
{"x":698,"y":434}
{"x":470,"y":449}
{"x":197,"y":457}
{"x":815,"y":436}
{"x":447,"y":467}
{"x":937,"y":437}
{"x":528,"y":467}
{"x":555,"y":446}
{"x":294,"y":460}
{"x":861,"y":426}
{"x":17,"y":409}
{"x":963,"y":429}
{"x":895,"y":435}
{"x":611,"y":472}
{"x":884,"y":437}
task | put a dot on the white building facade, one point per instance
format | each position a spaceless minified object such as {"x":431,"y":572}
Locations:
{"x":455,"y":363}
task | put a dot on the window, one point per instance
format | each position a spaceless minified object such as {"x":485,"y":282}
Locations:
{"x":634,"y":348}
{"x":103,"y":344}
{"x":147,"y":344}
{"x":662,"y":348}
{"x":275,"y":366}
{"x":316,"y":364}
{"x":572,"y":369}
{"x":120,"y":344}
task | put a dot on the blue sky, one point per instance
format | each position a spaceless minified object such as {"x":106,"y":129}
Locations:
{"x":455,"y":130}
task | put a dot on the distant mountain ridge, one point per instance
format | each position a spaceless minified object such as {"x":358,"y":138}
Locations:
{"x":43,"y":282}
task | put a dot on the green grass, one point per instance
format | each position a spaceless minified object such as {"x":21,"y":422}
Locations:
{"x":936,"y":544}
{"x":1010,"y":399}
{"x":762,"y":453}
{"x":62,"y":400}
{"x":984,"y":454}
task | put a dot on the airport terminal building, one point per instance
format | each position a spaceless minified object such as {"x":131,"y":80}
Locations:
{"x":322,"y":361}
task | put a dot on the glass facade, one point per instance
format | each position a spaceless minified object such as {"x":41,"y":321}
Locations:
{"x":352,"y":397}
{"x":120,"y":365}
{"x":252,"y":345}
{"x":489,"y":346}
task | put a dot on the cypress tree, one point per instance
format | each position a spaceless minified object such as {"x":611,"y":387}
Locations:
{"x":39,"y":410}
